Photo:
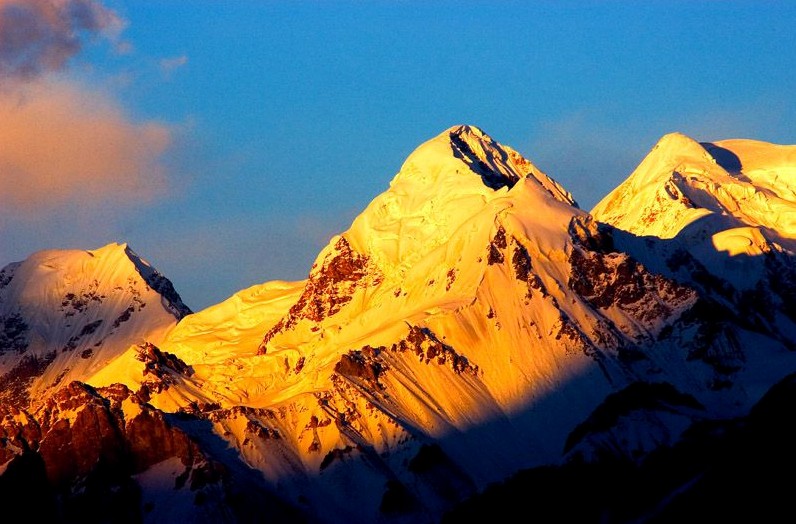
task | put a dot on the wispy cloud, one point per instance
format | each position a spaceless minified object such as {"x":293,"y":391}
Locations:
{"x":40,"y":36}
{"x":169,"y":65}
{"x":64,"y":144}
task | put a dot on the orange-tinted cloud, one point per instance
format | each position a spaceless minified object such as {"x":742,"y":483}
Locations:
{"x":62,"y":144}
{"x":38,"y":36}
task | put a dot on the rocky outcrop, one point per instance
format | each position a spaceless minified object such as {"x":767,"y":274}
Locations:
{"x":15,"y":384}
{"x":89,"y":444}
{"x":329,"y":288}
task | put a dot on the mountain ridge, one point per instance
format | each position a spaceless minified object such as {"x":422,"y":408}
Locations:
{"x":66,"y":313}
{"x":472,"y":322}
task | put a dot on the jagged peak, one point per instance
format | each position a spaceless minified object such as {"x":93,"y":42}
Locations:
{"x":154,"y":279}
{"x":463,"y":130}
{"x":497,"y":165}
{"x":444,"y":183}
{"x":457,"y":145}
{"x":484,"y":156}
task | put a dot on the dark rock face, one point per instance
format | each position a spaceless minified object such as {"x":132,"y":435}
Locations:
{"x":15,"y":383}
{"x":7,"y":274}
{"x":363,"y":365}
{"x":702,"y":305}
{"x":88,"y":329}
{"x":523,"y":270}
{"x":13,"y":333}
{"x":158,"y":363}
{"x":155,"y":280}
{"x":124,"y":316}
{"x":81,"y":461}
{"x":426,"y":345}
{"x":496,"y":247}
{"x":76,"y":303}
{"x":491,"y":177}
{"x":161,"y":370}
{"x":616,"y":280}
{"x":80,"y":453}
{"x":150,"y":427}
{"x":18,"y":433}
{"x":329,"y":288}
{"x":590,"y":234}
{"x":71,"y":449}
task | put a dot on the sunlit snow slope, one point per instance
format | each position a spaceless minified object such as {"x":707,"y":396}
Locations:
{"x":472,"y":321}
{"x":742,"y":191}
{"x":720,"y":215}
{"x":472,"y":306}
{"x":66,"y":314}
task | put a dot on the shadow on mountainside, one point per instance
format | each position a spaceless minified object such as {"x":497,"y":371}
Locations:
{"x":731,"y":470}
{"x":723,"y":468}
{"x":245,"y":490}
{"x":728,"y":160}
{"x":717,"y":454}
{"x":754,"y":291}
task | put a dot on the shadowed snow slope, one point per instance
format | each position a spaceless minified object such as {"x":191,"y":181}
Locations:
{"x":721,"y":216}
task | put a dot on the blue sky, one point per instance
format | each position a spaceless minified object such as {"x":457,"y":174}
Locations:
{"x":260,"y":129}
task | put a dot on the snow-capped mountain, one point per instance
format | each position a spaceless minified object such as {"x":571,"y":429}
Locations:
{"x":719,"y":216}
{"x":66,"y":314}
{"x":729,"y":206}
{"x":472,"y":322}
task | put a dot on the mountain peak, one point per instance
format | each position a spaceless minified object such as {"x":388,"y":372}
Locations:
{"x":154,"y":279}
{"x":484,"y":156}
{"x":442,"y":185}
{"x":471,"y":322}
{"x":115,"y":260}
{"x":659,"y":182}
{"x":109,"y":249}
{"x":722,"y":184}
{"x":468,"y":130}
{"x":499,"y":166}
{"x":66,"y":313}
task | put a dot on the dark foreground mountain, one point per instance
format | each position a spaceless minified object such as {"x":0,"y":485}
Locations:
{"x":732,"y":470}
{"x":473,"y":325}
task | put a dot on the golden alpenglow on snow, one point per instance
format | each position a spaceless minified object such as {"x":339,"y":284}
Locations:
{"x":471,"y":333}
